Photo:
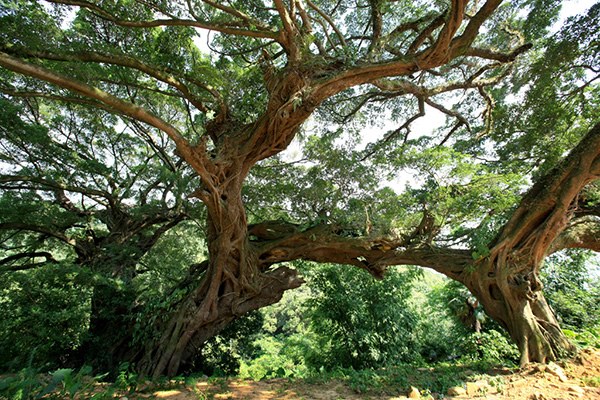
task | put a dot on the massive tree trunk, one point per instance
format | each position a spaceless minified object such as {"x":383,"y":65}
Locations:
{"x":113,"y":259}
{"x":232,"y":285}
{"x":507,"y":281}
{"x":110,"y":329}
{"x":511,"y":294}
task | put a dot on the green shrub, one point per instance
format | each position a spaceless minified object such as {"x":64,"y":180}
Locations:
{"x":276,"y":358}
{"x":64,"y":383}
{"x":360,"y":322}
{"x":586,"y":337}
{"x":45,"y":313}
{"x":490,"y":347}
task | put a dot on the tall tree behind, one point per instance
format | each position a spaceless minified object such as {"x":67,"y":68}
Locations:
{"x":81,"y":197}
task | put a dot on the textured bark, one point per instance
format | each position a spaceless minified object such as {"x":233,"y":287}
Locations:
{"x":232,"y":285}
{"x":512,"y":296}
{"x":507,"y":281}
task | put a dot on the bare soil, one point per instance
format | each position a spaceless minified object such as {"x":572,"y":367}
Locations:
{"x":578,"y":378}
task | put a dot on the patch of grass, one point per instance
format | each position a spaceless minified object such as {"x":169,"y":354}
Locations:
{"x":221,"y":384}
{"x":397,"y":380}
{"x":593,"y":381}
{"x":64,"y":383}
{"x":203,"y":394}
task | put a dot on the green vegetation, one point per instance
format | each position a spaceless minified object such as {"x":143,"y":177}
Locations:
{"x":264,"y":206}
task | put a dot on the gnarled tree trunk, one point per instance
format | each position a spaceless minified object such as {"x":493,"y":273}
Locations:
{"x":512,"y":295}
{"x":507,"y":281}
{"x":233,"y":285}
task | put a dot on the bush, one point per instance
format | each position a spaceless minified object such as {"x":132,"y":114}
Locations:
{"x":360,"y":322}
{"x":61,"y":384}
{"x":278,"y":358}
{"x":45,"y":313}
{"x":491,"y":347}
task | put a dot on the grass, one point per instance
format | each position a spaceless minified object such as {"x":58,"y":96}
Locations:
{"x":593,"y":381}
{"x":397,"y":380}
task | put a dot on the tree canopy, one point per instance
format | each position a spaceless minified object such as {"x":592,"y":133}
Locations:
{"x":280,"y":144}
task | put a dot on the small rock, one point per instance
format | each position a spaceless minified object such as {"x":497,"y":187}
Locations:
{"x":414,"y":393}
{"x":539,"y":368}
{"x":576,"y":389}
{"x":519,"y":382}
{"x":557,"y":371}
{"x":537,"y":396}
{"x":456,"y":391}
{"x":474,"y":388}
{"x":492,"y":390}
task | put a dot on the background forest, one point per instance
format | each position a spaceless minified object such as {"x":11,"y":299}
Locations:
{"x":261,"y":201}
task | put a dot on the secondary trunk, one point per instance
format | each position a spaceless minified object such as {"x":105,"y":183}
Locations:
{"x":110,"y":328}
{"x":511,"y":295}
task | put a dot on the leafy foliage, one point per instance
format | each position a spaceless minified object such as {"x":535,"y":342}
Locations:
{"x":45,"y":316}
{"x":572,"y":288}
{"x":361,"y":323}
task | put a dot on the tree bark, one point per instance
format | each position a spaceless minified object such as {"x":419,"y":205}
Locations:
{"x":512,"y":296}
{"x":233,"y":285}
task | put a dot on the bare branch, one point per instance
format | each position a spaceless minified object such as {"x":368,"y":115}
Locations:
{"x":427,"y":32}
{"x":289,"y":30}
{"x":326,"y":243}
{"x":262,"y":33}
{"x":377,"y":22}
{"x":498,"y":56}
{"x":464,"y":41}
{"x":583,"y":233}
{"x":329,"y":21}
{"x":439,"y":51}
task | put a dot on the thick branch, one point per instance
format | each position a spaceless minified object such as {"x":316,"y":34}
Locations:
{"x":121,"y":60}
{"x":327,"y":243}
{"x":464,"y":41}
{"x":583,"y":233}
{"x":496,"y":55}
{"x":263,"y":33}
{"x":443,"y":50}
{"x":438,"y":53}
{"x":197,"y":159}
{"x":289,"y":30}
{"x":18,"y":226}
{"x":22,"y":267}
{"x":52,"y":186}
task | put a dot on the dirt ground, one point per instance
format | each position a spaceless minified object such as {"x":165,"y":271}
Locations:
{"x":578,"y":378}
